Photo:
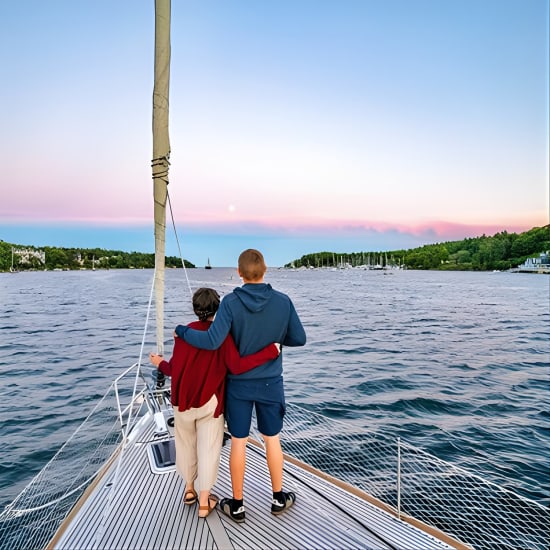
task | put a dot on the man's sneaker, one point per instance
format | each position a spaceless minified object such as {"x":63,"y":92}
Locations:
{"x":228,"y":507}
{"x":278,"y":507}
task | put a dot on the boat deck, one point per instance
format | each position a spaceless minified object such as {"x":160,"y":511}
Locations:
{"x":325,"y":515}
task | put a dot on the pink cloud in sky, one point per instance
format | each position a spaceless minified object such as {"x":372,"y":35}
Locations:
{"x":427,"y":232}
{"x":275,"y":224}
{"x":311,"y":224}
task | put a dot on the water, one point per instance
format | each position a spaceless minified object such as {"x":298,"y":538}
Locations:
{"x":455,"y":363}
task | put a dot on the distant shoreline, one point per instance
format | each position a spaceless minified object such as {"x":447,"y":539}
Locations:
{"x":501,"y":252}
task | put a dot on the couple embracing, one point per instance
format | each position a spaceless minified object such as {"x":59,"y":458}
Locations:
{"x":229,"y":365}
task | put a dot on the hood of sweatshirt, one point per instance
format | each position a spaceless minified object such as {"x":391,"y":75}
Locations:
{"x":254,"y":296}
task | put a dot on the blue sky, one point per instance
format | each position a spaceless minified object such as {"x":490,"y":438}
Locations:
{"x":296,"y":126}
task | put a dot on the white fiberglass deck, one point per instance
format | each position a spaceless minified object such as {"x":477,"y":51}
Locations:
{"x":324,"y":516}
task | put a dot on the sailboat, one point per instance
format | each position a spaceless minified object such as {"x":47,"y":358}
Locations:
{"x":208,"y":266}
{"x":113,"y":484}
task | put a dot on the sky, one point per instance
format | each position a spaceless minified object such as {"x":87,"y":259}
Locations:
{"x":296,"y":126}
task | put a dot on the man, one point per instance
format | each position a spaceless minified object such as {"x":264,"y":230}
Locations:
{"x":256,"y":315}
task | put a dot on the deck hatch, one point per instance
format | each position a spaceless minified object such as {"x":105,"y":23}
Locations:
{"x":162,"y":456}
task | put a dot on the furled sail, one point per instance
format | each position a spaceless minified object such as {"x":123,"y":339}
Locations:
{"x":161,"y":154}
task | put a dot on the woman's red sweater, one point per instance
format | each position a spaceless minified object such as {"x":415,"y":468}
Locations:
{"x":197,"y":374}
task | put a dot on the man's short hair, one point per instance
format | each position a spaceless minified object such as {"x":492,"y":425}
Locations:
{"x":252,"y":265}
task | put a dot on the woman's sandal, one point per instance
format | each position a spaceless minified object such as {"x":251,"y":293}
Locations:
{"x":190,"y":497}
{"x":204,"y":511}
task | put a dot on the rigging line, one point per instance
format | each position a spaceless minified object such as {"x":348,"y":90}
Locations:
{"x":139,"y":372}
{"x":178,"y":243}
{"x":335,"y":504}
{"x":20,"y":511}
{"x":125,"y":432}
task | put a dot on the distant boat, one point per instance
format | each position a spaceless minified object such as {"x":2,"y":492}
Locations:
{"x":208,"y":266}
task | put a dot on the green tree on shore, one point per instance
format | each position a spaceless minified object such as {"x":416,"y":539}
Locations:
{"x":502,"y":251}
{"x":77,"y":258}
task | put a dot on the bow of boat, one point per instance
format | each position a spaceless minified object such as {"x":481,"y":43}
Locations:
{"x":138,"y":503}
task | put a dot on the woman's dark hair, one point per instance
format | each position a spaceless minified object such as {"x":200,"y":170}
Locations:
{"x":206,"y":302}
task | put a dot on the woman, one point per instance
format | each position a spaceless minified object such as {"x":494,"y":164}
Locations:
{"x":198,"y":390}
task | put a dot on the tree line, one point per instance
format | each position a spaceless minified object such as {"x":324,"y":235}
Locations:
{"x":27,"y":258}
{"x":500,"y":252}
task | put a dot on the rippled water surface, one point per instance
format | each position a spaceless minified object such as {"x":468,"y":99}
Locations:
{"x":455,"y":363}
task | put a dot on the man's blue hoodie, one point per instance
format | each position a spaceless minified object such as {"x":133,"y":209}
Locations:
{"x":256,"y":315}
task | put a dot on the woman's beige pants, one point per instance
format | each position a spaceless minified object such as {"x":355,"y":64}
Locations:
{"x":199,"y":438}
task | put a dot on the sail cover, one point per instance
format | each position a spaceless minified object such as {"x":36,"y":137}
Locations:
{"x":161,"y":154}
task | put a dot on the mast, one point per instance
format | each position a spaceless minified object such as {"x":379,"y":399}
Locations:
{"x":161,"y":155}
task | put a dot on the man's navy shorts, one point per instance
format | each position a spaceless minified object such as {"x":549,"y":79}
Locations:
{"x":267,"y":395}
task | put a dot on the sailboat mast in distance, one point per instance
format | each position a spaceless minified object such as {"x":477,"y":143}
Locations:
{"x":161,"y":154}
